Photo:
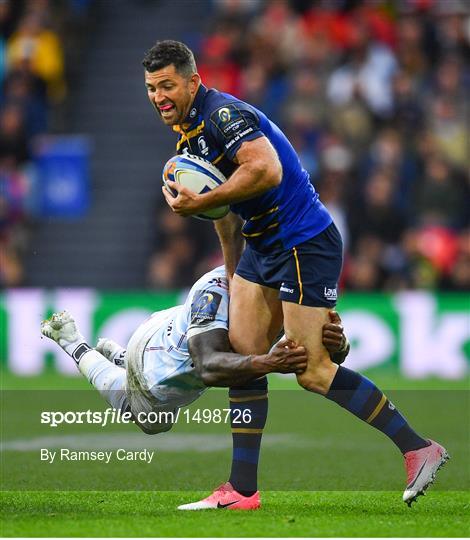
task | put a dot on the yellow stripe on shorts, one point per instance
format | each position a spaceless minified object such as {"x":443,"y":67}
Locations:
{"x":299,"y":279}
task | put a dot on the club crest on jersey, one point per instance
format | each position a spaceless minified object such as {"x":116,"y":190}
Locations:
{"x":193,"y":113}
{"x":203,"y":145}
{"x":224,"y":114}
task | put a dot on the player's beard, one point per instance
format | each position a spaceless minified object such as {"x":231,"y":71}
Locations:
{"x":180,"y":111}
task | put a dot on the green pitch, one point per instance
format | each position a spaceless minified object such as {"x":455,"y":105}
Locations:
{"x":283,"y":514}
{"x":314,"y":454}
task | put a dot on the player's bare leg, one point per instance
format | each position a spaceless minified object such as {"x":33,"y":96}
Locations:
{"x":360,"y":396}
{"x":243,"y":475}
{"x":303,"y":325}
{"x":255,"y":316}
{"x":255,"y":322}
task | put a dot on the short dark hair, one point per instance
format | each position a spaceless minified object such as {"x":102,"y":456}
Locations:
{"x":167,"y":52}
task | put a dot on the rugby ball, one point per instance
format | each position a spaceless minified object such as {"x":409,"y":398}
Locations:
{"x":198,"y":175}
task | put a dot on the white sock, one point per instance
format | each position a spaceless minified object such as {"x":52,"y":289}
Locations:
{"x":119,"y":359}
{"x":76,"y":349}
{"x":108,"y":379}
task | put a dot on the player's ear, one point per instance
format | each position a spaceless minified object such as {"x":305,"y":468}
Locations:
{"x":194,"y":83}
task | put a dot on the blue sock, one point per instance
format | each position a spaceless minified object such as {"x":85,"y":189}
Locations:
{"x":249,"y":410}
{"x":361,"y":397}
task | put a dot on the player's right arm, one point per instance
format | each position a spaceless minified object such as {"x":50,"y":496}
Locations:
{"x":218,"y":365}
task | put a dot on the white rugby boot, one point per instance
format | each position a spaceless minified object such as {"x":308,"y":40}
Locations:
{"x":62,"y":329}
{"x":112,"y":351}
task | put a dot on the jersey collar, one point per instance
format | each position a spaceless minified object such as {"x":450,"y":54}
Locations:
{"x":195,"y":110}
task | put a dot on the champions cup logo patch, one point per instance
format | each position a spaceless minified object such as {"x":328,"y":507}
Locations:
{"x":205,"y":300}
{"x":204,"y":307}
{"x":224,"y":114}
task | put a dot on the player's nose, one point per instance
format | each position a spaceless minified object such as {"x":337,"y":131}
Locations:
{"x":157,"y":97}
{"x":161,"y":101}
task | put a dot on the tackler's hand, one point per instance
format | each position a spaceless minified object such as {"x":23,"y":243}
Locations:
{"x":287,"y":357}
{"x":334,"y":340}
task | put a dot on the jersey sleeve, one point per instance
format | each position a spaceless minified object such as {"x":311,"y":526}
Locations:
{"x":232,"y":125}
{"x":208,"y":309}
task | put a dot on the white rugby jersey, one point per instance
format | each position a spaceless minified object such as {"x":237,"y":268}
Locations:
{"x":167,"y":367}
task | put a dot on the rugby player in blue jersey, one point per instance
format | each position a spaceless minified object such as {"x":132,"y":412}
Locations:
{"x":288,"y":272}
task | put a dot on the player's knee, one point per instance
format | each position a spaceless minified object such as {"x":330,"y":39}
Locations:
{"x":312,"y":384}
{"x":318,"y":380}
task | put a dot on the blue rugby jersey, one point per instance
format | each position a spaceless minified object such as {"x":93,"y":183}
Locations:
{"x":280,"y":218}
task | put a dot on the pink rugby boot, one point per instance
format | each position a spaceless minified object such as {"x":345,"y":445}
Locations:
{"x":421,"y":468}
{"x":227,"y":498}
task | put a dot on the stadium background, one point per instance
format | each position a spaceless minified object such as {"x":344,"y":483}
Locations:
{"x":374,"y":96}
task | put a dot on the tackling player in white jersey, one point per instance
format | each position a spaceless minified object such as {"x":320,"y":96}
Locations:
{"x":174,"y":356}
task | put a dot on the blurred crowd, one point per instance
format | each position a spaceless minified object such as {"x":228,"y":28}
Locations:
{"x":374,"y":95}
{"x":33,"y":75}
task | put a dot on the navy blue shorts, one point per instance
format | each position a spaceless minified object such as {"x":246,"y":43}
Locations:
{"x":306,"y":274}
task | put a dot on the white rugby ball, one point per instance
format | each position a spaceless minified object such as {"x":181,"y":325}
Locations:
{"x":198,"y":175}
